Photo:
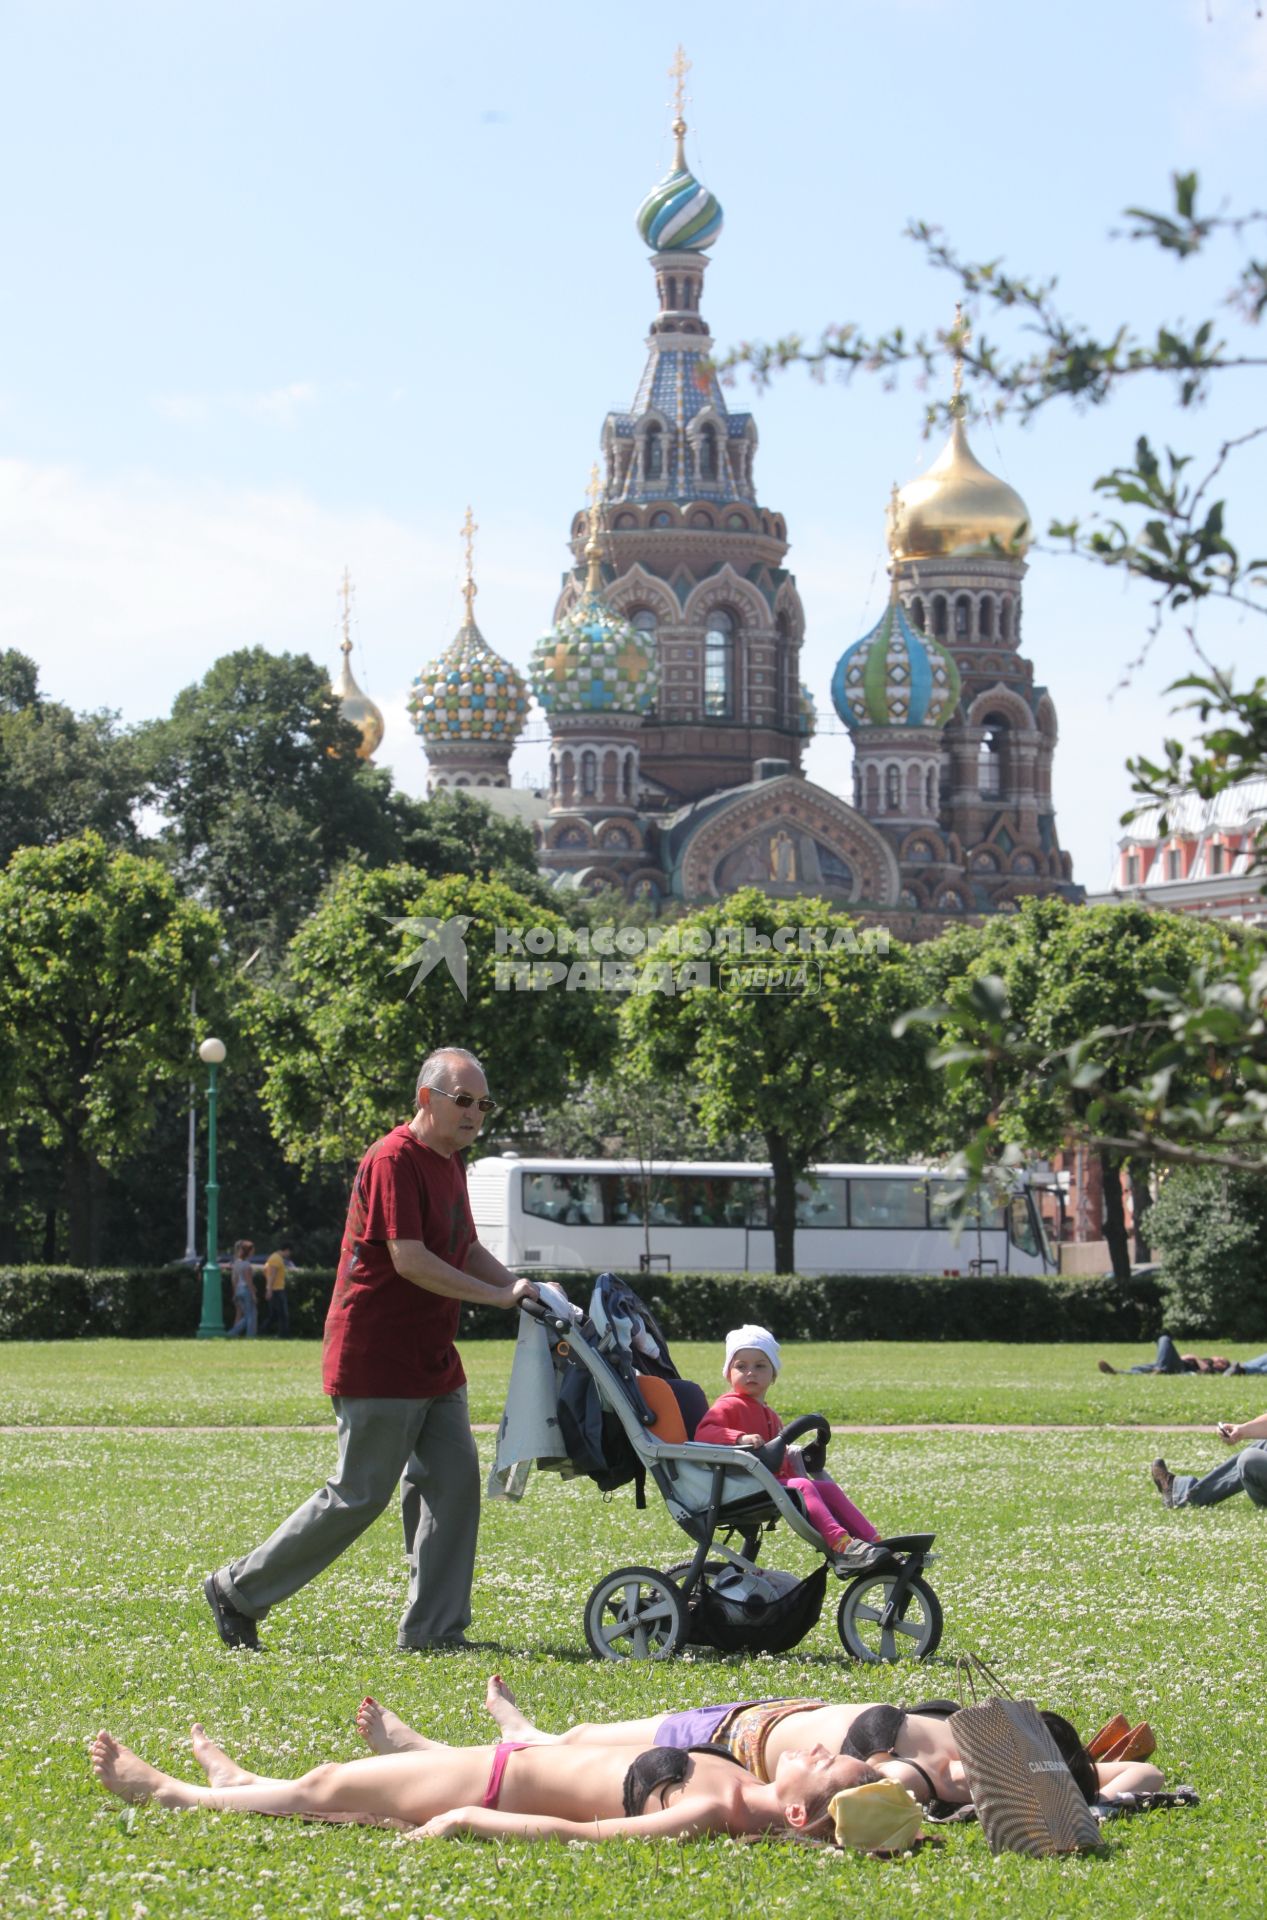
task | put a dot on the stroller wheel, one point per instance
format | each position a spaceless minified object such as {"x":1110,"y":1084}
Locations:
{"x":635,"y":1614}
{"x":872,"y":1628}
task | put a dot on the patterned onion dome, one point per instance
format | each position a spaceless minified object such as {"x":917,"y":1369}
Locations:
{"x":806,"y":713}
{"x":895,"y":677}
{"x":593,"y":662}
{"x":679,"y":214}
{"x":469,"y":693}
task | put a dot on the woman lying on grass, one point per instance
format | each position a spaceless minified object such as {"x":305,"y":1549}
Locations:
{"x":537,"y":1790}
{"x":915,"y":1748}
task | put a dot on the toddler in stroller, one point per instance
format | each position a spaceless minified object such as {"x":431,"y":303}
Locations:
{"x":598,"y":1394}
{"x":741,"y":1418}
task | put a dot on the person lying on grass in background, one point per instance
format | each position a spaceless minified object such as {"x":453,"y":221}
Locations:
{"x":529,"y":1790}
{"x":1247,"y":1473}
{"x":914,"y":1747}
{"x":741,"y":1418}
{"x":1168,"y":1359}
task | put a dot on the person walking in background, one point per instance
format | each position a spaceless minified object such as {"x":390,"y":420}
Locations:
{"x":409,"y":1258}
{"x":245,"y":1305}
{"x":1247,"y":1473}
{"x":276,"y":1305}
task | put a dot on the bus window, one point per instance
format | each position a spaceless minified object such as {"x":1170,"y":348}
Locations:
{"x":622,"y":1199}
{"x":822,"y":1203}
{"x":758,"y":1192}
{"x":571,"y":1199}
{"x":1020,"y":1225}
{"x":887,"y":1203}
{"x":986,"y":1213}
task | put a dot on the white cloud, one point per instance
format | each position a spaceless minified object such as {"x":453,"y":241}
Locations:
{"x":282,"y":405}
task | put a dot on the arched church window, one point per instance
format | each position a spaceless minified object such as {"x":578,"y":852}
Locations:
{"x":1005,"y":619}
{"x":719,"y":666}
{"x":589,"y":774}
{"x":939,"y":616}
{"x":985,"y":618}
{"x":917,"y":614}
{"x":963,"y":617}
{"x":930,"y":790}
{"x":626,"y":781}
{"x":892,"y":789}
{"x":643,"y":620}
{"x":990,"y":781}
{"x":708,"y":453}
{"x":672,"y":292}
{"x":653,"y":454}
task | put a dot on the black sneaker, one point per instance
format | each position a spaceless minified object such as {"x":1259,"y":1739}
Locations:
{"x":235,"y":1629}
{"x":1164,"y":1481}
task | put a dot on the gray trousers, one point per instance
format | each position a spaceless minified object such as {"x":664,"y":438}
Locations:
{"x":425,"y":1446}
{"x":1244,"y":1472}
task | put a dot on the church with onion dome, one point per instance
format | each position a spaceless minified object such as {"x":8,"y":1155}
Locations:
{"x":670,"y":678}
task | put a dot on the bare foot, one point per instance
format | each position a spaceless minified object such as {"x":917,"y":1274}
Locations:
{"x":503,"y":1706}
{"x":215,"y":1762}
{"x":121,"y":1772}
{"x":384,"y":1731}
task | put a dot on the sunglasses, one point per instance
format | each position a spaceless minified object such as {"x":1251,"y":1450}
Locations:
{"x":468,"y":1100}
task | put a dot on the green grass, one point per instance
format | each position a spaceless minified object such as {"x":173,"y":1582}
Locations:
{"x":1056,"y":1560}
{"x":274,"y":1383}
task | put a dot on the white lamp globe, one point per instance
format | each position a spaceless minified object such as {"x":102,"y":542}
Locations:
{"x":212,"y":1052}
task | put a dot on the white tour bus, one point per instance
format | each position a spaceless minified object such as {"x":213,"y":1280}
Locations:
{"x":715,"y":1215}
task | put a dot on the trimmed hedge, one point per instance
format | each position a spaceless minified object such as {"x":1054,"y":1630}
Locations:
{"x":64,"y":1303}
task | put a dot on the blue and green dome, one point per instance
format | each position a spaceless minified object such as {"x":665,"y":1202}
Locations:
{"x":895,"y":677}
{"x":469,"y":693}
{"x":679,"y":215}
{"x":593,"y":662}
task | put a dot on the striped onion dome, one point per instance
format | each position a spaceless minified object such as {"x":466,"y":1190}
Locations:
{"x":592,"y":661}
{"x":895,"y":677}
{"x":679,"y":214}
{"x":806,"y":713}
{"x":469,"y":693}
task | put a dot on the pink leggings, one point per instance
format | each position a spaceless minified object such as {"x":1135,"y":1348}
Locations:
{"x":829,"y":1509}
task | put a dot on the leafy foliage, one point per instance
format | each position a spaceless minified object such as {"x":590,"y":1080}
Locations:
{"x":1209,"y":1227}
{"x":60,"y":773}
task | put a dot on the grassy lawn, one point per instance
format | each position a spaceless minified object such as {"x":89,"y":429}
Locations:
{"x":1056,"y":1560}
{"x":278,"y":1383}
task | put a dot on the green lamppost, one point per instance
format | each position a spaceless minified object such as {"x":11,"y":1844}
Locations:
{"x":211,"y":1326}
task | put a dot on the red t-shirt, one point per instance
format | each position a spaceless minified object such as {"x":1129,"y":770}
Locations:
{"x":734,"y":1415}
{"x":385,"y":1337}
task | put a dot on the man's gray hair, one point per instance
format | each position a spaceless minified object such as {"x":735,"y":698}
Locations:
{"x":432,"y":1070}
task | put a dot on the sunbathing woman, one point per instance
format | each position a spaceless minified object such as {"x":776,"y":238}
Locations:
{"x":526,"y":1790}
{"x":915,"y":1747}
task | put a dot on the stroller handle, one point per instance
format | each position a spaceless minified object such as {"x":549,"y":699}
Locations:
{"x":772,"y":1454}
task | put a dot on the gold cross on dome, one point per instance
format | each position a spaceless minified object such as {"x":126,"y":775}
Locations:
{"x":677,"y":73}
{"x":345,"y":594}
{"x":962,"y":335}
{"x":470,"y":527}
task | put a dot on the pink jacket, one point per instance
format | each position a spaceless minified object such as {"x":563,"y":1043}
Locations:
{"x":733,"y":1416}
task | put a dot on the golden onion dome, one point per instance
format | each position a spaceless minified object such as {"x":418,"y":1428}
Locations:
{"x":357,"y":708}
{"x":957,"y":507}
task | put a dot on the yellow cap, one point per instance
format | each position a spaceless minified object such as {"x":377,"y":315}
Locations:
{"x":881,"y":1817}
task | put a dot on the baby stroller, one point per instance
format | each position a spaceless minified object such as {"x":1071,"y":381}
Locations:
{"x":598,"y":1394}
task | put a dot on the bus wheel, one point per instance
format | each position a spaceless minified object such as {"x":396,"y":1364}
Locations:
{"x":635,"y":1614}
{"x":873,"y":1629}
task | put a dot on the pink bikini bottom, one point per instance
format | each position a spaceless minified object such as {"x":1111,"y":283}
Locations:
{"x":501,"y":1755}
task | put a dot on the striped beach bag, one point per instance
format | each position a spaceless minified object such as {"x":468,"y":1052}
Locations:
{"x":1026,"y":1798}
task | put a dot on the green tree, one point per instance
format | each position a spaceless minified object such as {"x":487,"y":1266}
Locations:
{"x":816,"y":1073}
{"x":365,"y":993}
{"x":457,"y":832}
{"x":1048,"y":1026}
{"x":60,"y":772}
{"x":99,"y":953}
{"x":263,"y":796}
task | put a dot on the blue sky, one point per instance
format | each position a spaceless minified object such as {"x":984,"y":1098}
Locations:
{"x":283,"y":286}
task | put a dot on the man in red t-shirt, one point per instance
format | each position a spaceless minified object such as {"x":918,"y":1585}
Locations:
{"x":409,"y":1259}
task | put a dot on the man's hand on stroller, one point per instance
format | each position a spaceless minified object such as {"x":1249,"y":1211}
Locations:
{"x":523,"y":1290}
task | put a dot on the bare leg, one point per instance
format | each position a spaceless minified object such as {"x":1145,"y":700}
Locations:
{"x":385,"y":1732}
{"x":215,"y":1762}
{"x":514,"y":1724}
{"x":412,"y":1787}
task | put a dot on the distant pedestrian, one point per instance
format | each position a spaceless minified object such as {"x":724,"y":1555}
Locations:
{"x":276,"y":1304}
{"x":410,"y":1256}
{"x":245,"y":1304}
